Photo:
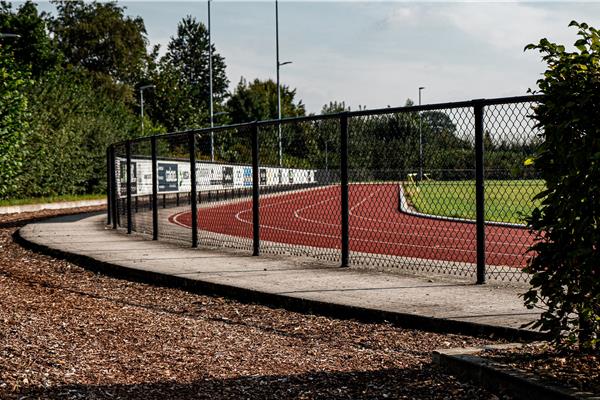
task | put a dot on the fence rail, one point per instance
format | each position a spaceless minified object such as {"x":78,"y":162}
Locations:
{"x":431,"y":188}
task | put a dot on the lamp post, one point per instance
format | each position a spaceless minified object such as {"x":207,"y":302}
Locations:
{"x":10,"y":35}
{"x":212,"y":144}
{"x":210,"y":86}
{"x":142,"y":103}
{"x":420,"y":139}
{"x":279,"y":64}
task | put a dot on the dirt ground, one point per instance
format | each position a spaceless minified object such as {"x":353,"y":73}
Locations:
{"x":68,"y":333}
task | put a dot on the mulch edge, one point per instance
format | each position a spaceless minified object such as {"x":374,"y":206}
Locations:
{"x":249,"y":296}
{"x":498,"y":377}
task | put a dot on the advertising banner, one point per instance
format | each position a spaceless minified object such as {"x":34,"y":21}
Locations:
{"x":123,"y":178}
{"x":263,"y":176}
{"x":248,"y":176}
{"x":227,"y":176}
{"x":168,"y":177}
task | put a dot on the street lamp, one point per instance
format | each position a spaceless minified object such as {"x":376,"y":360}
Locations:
{"x":279,"y":64}
{"x":210,"y":86}
{"x":212,"y":144}
{"x":142,"y":102}
{"x":420,"y":138}
{"x":10,"y":35}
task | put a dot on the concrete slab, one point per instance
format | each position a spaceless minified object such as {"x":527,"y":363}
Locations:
{"x":432,"y":302}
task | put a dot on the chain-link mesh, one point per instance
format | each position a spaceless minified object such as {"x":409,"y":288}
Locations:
{"x":300,"y":194}
{"x":141,"y":187}
{"x":411,"y":174}
{"x":120,"y":168}
{"x":174,"y":188}
{"x":411,"y":183}
{"x":510,"y":137}
{"x":225,"y":189}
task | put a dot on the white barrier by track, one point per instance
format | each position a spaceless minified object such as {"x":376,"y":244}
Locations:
{"x":174,"y":176}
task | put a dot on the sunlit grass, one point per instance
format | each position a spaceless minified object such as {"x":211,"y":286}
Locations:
{"x":505,"y":200}
{"x":50,"y":199}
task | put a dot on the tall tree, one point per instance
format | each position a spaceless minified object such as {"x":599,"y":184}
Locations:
{"x":182,"y":95}
{"x":33,"y":50}
{"x":334,"y":107}
{"x":101,"y":38}
{"x":257,"y":100}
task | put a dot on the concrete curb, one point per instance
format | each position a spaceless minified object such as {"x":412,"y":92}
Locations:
{"x":496,"y":377}
{"x":405,"y":320}
{"x":51,"y":206}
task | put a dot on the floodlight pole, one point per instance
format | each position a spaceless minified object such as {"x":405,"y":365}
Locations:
{"x":279,"y":64}
{"x":420,"y":177}
{"x":142,"y":103}
{"x":210,"y":85}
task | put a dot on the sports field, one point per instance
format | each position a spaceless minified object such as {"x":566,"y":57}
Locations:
{"x":312,"y":218}
{"x":505,"y":201}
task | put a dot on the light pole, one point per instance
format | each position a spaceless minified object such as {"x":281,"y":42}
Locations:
{"x":10,"y":35}
{"x":142,"y":103}
{"x":279,"y":64}
{"x":210,"y":86}
{"x":420,"y":139}
{"x":212,"y":145}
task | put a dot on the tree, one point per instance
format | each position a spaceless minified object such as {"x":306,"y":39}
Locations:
{"x":182,"y":96}
{"x":101,"y":39}
{"x":13,"y":121}
{"x":334,"y":107}
{"x":257,"y":100}
{"x":34,"y":49}
{"x":565,"y":266}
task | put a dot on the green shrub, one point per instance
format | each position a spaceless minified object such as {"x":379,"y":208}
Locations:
{"x":13,"y":122}
{"x":565,"y":268}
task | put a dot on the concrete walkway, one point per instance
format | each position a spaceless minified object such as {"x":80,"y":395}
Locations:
{"x":433,"y":303}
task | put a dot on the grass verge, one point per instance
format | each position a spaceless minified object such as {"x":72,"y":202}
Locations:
{"x":505,"y":201}
{"x":50,"y":199}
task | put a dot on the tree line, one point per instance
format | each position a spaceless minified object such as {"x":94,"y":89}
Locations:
{"x":70,"y":87}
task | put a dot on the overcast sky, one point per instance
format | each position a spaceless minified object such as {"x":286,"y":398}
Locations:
{"x":378,"y":53}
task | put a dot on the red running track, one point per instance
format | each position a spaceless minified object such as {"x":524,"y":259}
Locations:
{"x":312,"y":218}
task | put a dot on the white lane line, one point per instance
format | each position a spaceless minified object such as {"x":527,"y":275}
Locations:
{"x":368,"y":240}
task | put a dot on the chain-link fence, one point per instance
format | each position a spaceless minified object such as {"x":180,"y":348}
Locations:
{"x":435,"y":189}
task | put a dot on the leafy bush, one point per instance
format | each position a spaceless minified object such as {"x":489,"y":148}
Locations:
{"x":72,"y":124}
{"x":565,"y":268}
{"x":13,"y":122}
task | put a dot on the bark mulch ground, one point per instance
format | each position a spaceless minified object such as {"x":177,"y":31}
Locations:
{"x":68,"y":333}
{"x":561,"y":367}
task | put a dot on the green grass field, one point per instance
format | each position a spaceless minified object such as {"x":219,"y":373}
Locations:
{"x":50,"y":199}
{"x":505,"y":201}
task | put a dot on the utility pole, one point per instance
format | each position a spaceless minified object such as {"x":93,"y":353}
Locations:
{"x":142,"y":103}
{"x":420,"y":178}
{"x":279,"y":64}
{"x":210,"y":85}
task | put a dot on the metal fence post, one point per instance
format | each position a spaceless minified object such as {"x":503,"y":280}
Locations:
{"x":479,"y":190}
{"x":192,"y":150}
{"x":113,"y":182}
{"x":128,"y":155}
{"x":344,"y":189}
{"x":255,"y":192}
{"x":108,"y":188}
{"x":154,"y":189}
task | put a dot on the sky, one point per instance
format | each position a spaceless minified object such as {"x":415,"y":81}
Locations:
{"x":377,"y":54}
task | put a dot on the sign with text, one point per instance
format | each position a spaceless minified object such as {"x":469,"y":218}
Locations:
{"x":227,"y":176}
{"x":123,"y":177}
{"x":167,"y":177}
